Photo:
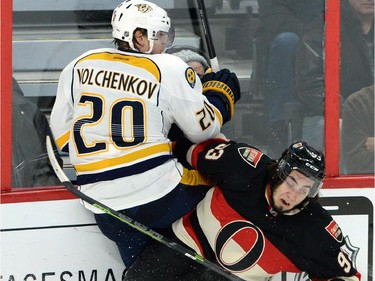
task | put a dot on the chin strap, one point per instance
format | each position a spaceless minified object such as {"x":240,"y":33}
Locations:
{"x":151,"y":46}
{"x":294,"y":211}
{"x":268,"y":195}
{"x":131,"y":45}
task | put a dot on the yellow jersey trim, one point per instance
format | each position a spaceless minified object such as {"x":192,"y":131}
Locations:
{"x":125,"y":159}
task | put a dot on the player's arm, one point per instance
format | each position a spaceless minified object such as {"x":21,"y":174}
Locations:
{"x":62,"y":111}
{"x":200,"y":117}
{"x":336,"y":258}
{"x":222,"y":89}
{"x":219,"y":160}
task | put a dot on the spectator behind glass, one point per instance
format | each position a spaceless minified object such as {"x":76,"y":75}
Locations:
{"x":281,"y":24}
{"x":193,"y":57}
{"x":30,"y":164}
{"x":358,"y":132}
{"x":356,"y":65}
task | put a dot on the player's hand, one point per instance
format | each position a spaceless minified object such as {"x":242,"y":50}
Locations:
{"x":180,"y":149}
{"x":175,"y":133}
{"x":222,"y":84}
{"x":226,"y":77}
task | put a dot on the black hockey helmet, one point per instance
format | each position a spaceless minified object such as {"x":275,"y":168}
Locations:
{"x":303,"y":158}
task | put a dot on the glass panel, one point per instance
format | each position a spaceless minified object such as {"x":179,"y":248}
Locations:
{"x":288,"y":73}
{"x":275,"y":50}
{"x":357,"y":89}
{"x":48,"y":34}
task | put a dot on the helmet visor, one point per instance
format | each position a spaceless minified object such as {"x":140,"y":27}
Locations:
{"x":284,"y":172}
{"x":166,"y":38}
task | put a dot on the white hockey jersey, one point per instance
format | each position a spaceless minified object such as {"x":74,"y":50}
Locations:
{"x":113,"y":111}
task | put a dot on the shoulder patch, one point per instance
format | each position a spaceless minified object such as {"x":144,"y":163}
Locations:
{"x":335,"y":231}
{"x":250,"y":155}
{"x":190,"y":76}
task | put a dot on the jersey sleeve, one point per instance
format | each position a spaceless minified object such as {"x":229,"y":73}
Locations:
{"x":228,"y":164}
{"x":191,"y":111}
{"x":332,"y":256}
{"x":62,"y":111}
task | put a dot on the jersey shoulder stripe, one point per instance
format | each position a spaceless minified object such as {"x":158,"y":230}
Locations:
{"x":136,"y":61}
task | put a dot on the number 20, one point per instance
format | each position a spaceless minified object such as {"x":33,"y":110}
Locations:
{"x":116,"y":129}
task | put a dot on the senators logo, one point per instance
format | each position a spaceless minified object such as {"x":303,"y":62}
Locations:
{"x":144,"y":8}
{"x":252,"y":253}
{"x":190,"y":76}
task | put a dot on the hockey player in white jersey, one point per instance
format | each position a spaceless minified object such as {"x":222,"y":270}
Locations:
{"x":113,"y":112}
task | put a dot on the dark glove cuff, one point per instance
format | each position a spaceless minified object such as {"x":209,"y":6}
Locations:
{"x":221,"y":104}
{"x":222,"y":91}
{"x":180,"y":149}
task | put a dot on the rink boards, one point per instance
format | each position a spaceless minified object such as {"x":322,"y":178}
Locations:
{"x":59,"y":240}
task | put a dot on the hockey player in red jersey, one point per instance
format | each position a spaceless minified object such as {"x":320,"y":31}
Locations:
{"x":262,"y":217}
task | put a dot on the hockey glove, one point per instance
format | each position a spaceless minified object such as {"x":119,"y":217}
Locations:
{"x":175,"y":133}
{"x":180,"y":149}
{"x":222,"y":89}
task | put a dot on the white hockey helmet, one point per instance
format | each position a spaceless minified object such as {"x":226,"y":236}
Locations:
{"x":133,"y":14}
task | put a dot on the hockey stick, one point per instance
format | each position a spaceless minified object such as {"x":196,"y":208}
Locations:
{"x":207,"y":34}
{"x":142,"y":228}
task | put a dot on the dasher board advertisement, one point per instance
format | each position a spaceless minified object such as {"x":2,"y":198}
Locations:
{"x":59,"y":240}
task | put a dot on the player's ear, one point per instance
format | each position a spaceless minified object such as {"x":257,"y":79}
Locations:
{"x":139,"y":39}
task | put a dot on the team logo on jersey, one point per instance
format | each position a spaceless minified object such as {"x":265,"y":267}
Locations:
{"x":242,"y":234}
{"x":335,"y":231}
{"x":250,"y":155}
{"x":190,"y":76}
{"x":144,"y":8}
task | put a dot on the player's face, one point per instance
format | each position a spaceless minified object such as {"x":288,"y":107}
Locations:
{"x":142,"y":43}
{"x":291,"y":192}
{"x":198,"y":67}
{"x":164,"y":40}
{"x":160,"y":43}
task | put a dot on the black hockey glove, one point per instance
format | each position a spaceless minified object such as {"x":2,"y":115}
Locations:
{"x":175,"y":133}
{"x":180,"y":149}
{"x":222,"y":89}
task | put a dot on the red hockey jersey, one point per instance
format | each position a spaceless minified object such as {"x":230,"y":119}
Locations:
{"x":236,"y":226}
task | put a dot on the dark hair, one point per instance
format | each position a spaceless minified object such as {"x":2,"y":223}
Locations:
{"x":271,"y":174}
{"x":124,"y":46}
